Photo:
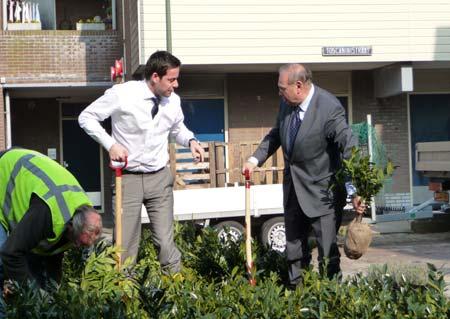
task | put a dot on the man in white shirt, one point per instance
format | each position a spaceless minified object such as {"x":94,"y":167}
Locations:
{"x":143,"y":114}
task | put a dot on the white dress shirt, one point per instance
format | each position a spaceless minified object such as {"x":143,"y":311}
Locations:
{"x":129,"y":106}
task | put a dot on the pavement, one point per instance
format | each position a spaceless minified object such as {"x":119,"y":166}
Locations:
{"x":404,"y":249}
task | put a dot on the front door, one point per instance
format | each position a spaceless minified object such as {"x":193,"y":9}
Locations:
{"x":80,"y":153}
{"x":205,"y":117}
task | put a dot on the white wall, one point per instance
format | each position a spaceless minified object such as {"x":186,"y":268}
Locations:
{"x":263,"y":31}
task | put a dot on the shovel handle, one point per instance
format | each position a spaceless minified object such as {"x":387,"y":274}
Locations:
{"x":118,"y":209}
{"x":248,"y":234}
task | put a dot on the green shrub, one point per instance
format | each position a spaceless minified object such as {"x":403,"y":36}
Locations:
{"x":213,"y":284}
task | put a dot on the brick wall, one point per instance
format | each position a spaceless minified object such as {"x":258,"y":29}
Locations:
{"x":252,"y":105}
{"x":58,"y":56}
{"x":391,"y":122}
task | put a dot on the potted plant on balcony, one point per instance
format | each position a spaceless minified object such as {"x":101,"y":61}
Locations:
{"x":91,"y":24}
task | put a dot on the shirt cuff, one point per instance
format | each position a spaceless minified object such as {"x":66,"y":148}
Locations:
{"x":108,"y":142}
{"x":253,"y":160}
{"x":351,"y":189}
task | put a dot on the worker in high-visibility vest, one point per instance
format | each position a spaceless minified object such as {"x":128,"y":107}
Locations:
{"x":43,"y":212}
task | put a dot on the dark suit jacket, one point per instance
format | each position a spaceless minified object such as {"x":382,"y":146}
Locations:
{"x":323,"y":139}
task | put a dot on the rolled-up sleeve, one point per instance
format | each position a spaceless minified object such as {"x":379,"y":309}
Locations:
{"x":99,"y":110}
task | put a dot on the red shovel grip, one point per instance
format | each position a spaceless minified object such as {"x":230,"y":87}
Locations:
{"x":247,"y":174}
{"x":118,"y":168}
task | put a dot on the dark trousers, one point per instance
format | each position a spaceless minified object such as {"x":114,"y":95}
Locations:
{"x":298,"y":227}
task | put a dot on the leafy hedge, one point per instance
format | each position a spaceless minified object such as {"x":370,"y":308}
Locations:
{"x":213,"y":284}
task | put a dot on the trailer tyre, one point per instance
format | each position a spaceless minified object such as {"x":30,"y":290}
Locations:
{"x":229,"y":229}
{"x":273,"y":233}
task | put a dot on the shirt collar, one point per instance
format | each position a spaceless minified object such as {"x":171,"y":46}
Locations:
{"x":305,"y":104}
{"x":148,"y":94}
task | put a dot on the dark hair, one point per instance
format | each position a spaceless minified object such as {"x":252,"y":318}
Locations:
{"x":160,"y":62}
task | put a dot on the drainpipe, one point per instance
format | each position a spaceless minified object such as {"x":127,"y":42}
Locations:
{"x":168,"y":27}
{"x":5,"y":15}
{"x":124,"y":57}
{"x":8,"y":120}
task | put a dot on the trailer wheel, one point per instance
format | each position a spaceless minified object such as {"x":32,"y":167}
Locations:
{"x":229,"y":230}
{"x":273,"y":233}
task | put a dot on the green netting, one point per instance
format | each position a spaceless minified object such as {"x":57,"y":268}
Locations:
{"x":361,"y":131}
{"x":379,"y":155}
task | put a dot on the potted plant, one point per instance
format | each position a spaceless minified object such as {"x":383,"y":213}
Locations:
{"x":91,"y":24}
{"x":367,"y":177}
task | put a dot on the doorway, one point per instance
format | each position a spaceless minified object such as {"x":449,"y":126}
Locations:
{"x":205,"y":117}
{"x":80,"y":154}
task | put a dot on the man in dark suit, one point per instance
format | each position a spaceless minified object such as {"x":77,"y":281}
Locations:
{"x":312,"y":130}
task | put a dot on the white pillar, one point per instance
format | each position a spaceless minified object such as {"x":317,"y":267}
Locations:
{"x":8,"y":120}
{"x":5,"y":14}
{"x":113,"y":13}
{"x":369,"y":142}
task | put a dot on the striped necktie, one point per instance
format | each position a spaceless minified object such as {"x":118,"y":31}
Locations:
{"x":155,"y":107}
{"x":294,"y":126}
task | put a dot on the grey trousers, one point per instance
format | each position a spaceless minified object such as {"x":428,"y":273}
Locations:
{"x":155,"y":191}
{"x":298,"y":253}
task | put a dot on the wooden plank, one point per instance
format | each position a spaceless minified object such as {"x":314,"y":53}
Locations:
{"x":192,"y":165}
{"x":179,"y":183}
{"x":233,"y":156}
{"x":180,"y":147}
{"x":220,"y":164}
{"x":279,"y":162}
{"x":268,"y":177}
{"x":197,"y":186}
{"x":194,"y":177}
{"x":212,"y":164}
{"x":188,"y":155}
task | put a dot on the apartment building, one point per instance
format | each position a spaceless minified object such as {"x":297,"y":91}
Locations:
{"x":390,"y":59}
{"x":54,"y":60}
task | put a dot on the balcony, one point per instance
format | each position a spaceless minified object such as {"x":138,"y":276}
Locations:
{"x":78,"y":15}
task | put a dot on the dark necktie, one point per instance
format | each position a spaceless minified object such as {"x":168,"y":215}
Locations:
{"x":155,"y":107}
{"x":293,"y":128}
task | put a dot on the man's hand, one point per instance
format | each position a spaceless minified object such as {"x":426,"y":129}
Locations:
{"x":118,"y":153}
{"x":8,"y":289}
{"x":359,"y":206}
{"x":248,"y":166}
{"x":198,"y":153}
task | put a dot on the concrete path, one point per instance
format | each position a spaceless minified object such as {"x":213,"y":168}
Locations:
{"x":404,"y":248}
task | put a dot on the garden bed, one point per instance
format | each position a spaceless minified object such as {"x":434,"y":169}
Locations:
{"x":213,"y":284}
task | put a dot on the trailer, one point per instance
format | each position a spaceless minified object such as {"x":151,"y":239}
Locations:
{"x":433,"y":160}
{"x":223,"y":208}
{"x":212,"y":193}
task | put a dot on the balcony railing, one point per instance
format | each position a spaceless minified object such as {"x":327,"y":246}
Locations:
{"x":59,"y":15}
